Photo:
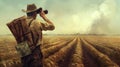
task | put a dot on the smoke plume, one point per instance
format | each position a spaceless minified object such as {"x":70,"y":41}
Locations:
{"x":103,"y":17}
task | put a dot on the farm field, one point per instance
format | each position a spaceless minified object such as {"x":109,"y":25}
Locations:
{"x":68,"y":51}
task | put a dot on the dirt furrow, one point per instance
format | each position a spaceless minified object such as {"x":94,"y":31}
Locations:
{"x":111,"y":52}
{"x":77,"y":57}
{"x":53,"y":43}
{"x":101,"y":59}
{"x":51,"y":50}
{"x":60,"y":56}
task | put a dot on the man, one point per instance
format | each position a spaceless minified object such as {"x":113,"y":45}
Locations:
{"x":36,"y":28}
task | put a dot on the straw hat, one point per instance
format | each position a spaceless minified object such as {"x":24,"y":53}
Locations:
{"x":30,"y":8}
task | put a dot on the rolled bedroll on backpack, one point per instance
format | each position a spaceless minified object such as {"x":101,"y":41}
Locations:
{"x":19,"y":29}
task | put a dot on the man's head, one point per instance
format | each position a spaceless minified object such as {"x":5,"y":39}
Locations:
{"x":31,"y":10}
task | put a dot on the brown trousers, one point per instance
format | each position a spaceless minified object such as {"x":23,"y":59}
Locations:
{"x":33,"y":60}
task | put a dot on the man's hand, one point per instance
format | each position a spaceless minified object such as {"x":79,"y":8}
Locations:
{"x":42,"y":14}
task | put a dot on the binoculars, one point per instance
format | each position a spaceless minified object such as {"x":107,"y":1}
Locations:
{"x":40,"y":9}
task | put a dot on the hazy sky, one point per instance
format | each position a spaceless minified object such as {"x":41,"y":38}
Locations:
{"x":69,"y":16}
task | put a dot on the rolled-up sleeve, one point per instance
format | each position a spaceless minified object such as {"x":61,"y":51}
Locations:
{"x":47,"y":26}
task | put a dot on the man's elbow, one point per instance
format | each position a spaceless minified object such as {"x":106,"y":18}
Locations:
{"x":52,"y":27}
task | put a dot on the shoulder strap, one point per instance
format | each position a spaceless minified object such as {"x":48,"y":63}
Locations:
{"x":30,"y":22}
{"x":29,"y":30}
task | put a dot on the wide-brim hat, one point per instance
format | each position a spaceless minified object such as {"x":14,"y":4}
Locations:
{"x":30,"y":8}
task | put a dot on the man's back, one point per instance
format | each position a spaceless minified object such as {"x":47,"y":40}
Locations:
{"x":36,"y":27}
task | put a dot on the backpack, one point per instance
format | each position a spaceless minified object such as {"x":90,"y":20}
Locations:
{"x":20,"y":31}
{"x":19,"y":28}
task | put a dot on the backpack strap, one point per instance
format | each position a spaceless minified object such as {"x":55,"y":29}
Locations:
{"x":30,"y":22}
{"x":29,"y":31}
{"x":29,"y":26}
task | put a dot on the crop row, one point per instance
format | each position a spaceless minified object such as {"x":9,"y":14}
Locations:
{"x":52,"y":61}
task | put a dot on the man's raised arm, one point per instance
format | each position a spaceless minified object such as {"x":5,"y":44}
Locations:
{"x":48,"y":25}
